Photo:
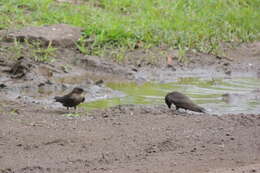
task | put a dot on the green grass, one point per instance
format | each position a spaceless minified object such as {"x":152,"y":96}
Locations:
{"x":33,"y":50}
{"x":184,"y":24}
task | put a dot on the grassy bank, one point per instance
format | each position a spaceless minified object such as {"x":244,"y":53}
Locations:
{"x":185,"y":24}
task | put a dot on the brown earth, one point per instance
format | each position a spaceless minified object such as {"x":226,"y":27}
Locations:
{"x":36,"y":136}
{"x":126,"y":139}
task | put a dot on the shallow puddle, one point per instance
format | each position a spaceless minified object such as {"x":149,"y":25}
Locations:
{"x":218,"y":96}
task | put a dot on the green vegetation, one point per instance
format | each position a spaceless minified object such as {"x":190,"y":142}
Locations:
{"x":34,"y":50}
{"x":42,"y":54}
{"x":202,"y":25}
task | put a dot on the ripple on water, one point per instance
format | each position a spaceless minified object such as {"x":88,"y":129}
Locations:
{"x":218,"y":96}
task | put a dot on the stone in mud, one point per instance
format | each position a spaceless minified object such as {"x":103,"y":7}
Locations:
{"x":91,"y":61}
{"x":61,"y":35}
{"x":227,"y":71}
{"x":238,"y":99}
{"x":2,"y":85}
{"x":45,"y":71}
{"x":169,"y":66}
{"x":99,"y":82}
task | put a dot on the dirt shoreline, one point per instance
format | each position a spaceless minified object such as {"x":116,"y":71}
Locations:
{"x":126,"y":138}
{"x":37,"y":137}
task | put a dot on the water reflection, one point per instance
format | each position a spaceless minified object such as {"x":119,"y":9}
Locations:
{"x":239,"y":95}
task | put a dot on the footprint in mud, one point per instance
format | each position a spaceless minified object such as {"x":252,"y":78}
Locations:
{"x":28,"y":147}
{"x":163,"y":146}
{"x":34,"y":169}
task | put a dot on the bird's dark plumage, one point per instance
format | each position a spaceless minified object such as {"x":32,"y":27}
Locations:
{"x":72,"y":99}
{"x":182,"y":101}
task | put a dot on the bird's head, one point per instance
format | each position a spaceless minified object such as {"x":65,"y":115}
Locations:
{"x":78,"y":90}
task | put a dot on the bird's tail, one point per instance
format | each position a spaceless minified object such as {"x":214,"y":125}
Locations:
{"x":200,"y":109}
{"x":57,"y":99}
{"x":197,"y":108}
{"x":83,"y":99}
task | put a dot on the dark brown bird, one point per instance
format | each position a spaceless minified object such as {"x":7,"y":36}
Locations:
{"x":72,"y":99}
{"x":182,"y":101}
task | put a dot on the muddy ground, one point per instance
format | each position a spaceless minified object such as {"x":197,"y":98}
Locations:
{"x":126,"y":139}
{"x":35,"y":136}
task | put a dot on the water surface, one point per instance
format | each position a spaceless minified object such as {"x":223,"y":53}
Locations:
{"x":220,"y":96}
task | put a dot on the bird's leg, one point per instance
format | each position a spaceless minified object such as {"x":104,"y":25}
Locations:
{"x":75,"y":109}
{"x":68,"y":108}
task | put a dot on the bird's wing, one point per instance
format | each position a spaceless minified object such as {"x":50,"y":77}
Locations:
{"x":66,"y":98}
{"x":77,"y":98}
{"x":184,"y":103}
